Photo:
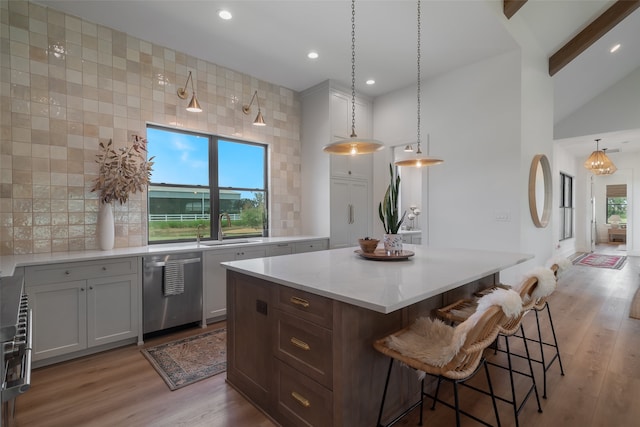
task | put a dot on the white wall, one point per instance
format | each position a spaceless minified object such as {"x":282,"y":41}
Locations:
{"x":617,"y":108}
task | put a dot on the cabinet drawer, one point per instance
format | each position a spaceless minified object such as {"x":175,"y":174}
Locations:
{"x":316,"y":245}
{"x":305,"y":305}
{"x":305,"y":346}
{"x":56,"y":273}
{"x":301,"y":401}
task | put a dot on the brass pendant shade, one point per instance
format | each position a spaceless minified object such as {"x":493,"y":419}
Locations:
{"x":353,"y":146}
{"x":246,"y":109}
{"x":598,"y":162}
{"x":419,"y":160}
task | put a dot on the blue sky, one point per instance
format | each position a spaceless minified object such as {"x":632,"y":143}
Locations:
{"x":182,"y":158}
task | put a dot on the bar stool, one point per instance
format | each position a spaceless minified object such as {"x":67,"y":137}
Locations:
{"x":540,"y":305}
{"x":460,"y":310}
{"x":453,"y":354}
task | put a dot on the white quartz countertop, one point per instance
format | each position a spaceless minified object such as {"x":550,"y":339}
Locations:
{"x":9,"y":263}
{"x":382,"y":286}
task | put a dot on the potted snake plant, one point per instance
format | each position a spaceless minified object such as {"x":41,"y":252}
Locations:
{"x":390,"y":215}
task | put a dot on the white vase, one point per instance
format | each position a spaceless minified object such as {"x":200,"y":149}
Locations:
{"x":392,"y":243}
{"x":106,"y":227}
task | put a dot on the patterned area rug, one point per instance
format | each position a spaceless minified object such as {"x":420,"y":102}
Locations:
{"x":191,"y":359}
{"x":598,"y":260}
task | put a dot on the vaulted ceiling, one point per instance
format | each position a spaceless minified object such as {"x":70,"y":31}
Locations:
{"x":269,"y":39}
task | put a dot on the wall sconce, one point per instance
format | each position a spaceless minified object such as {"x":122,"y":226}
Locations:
{"x":194,"y":105}
{"x":259,"y":121}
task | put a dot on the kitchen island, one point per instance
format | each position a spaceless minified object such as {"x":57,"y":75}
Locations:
{"x":301,"y":327}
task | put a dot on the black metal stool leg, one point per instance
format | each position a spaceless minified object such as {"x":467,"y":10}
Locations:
{"x":533,"y":378}
{"x":384,"y":393}
{"x":544,"y":363}
{"x":421,"y":400}
{"x":513,"y":387}
{"x":493,"y":397}
{"x":555,"y":340}
{"x":457,"y":401}
{"x":435,"y":397}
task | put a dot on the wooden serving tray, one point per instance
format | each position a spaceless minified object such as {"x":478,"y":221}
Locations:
{"x":381,"y":255}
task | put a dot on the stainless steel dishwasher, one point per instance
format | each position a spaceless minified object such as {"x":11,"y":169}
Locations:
{"x":172,"y":291}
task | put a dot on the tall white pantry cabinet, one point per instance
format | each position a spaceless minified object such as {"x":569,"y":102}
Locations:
{"x":336,"y":196}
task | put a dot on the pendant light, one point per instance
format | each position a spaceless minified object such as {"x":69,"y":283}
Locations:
{"x":353,"y":145}
{"x":598,"y":162}
{"x":419,"y":159}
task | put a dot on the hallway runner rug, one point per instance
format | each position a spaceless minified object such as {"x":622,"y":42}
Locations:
{"x":602,"y":261}
{"x":187,"y":360}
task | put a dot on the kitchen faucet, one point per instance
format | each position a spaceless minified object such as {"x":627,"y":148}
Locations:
{"x":199,"y":233}
{"x":220,"y":233}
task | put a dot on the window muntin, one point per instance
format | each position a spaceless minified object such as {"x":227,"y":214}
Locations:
{"x":198,"y":177}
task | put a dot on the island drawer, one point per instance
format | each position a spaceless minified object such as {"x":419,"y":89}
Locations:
{"x":56,"y":273}
{"x":300,"y":400}
{"x":311,"y":307}
{"x":305,"y":346}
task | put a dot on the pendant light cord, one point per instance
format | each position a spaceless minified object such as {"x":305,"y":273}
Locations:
{"x":419,"y":57}
{"x":353,"y":69}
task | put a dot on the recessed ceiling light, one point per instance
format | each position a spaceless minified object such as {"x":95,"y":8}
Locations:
{"x":225,"y":14}
{"x":312,"y":55}
{"x":614,"y":48}
{"x":371,"y":82}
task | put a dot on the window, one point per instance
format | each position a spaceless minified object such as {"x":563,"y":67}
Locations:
{"x":566,"y":206}
{"x":197,"y":177}
{"x":617,"y":203}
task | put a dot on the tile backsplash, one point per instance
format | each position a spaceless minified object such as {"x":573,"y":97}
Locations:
{"x":66,"y":84}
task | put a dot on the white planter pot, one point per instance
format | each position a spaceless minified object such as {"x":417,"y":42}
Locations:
{"x":392,"y":243}
{"x":106,"y":227}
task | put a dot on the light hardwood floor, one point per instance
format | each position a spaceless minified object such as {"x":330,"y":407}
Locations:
{"x":600,"y":348}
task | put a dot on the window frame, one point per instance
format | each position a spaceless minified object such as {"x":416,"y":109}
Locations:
{"x":566,"y":207}
{"x":213,"y":187}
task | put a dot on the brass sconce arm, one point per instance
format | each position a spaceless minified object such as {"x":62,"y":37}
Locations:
{"x":194,"y":105}
{"x":246,"y":109}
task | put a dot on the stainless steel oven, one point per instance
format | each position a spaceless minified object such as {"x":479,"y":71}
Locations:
{"x":15,"y":346}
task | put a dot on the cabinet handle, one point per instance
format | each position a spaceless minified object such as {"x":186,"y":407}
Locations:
{"x":299,"y":301}
{"x":81,"y":289}
{"x":300,"y":399}
{"x":104,"y":268}
{"x":67,"y":272}
{"x":352,"y":214}
{"x":90,"y":288}
{"x":300,"y":344}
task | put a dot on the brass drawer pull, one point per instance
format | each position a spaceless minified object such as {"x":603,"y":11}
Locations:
{"x":300,"y":344}
{"x":301,"y":400}
{"x":299,"y":301}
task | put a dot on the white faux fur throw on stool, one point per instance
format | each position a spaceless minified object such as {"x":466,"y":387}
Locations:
{"x":546,"y":282}
{"x":436,"y":343}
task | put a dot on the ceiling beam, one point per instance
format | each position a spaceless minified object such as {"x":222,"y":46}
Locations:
{"x":510,"y":7}
{"x":598,"y":28}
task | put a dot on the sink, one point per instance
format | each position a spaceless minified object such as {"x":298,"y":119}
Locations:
{"x":224,"y":242}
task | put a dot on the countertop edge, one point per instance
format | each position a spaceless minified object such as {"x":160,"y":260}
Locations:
{"x":8,"y":263}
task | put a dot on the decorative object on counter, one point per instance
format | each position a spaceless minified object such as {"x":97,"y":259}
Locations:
{"x":383,"y":255}
{"x":194,"y":105}
{"x":598,"y":162}
{"x":188,"y":360}
{"x":121,"y":172}
{"x":389,"y":214}
{"x":354,"y":145}
{"x":419,"y":159}
{"x":415,"y":212}
{"x":368,"y":245}
{"x":246,"y":109}
{"x":615,"y":221}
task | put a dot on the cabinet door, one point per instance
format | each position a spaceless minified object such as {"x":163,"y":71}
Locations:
{"x":340,"y":116}
{"x":311,"y":246}
{"x":59,"y":318}
{"x":350,"y":212}
{"x":215,"y":282}
{"x":249,"y":348}
{"x":112,"y":309}
{"x":248,"y":253}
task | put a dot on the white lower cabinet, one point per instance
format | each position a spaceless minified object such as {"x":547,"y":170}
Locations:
{"x":97,"y":305}
{"x":215,"y":277}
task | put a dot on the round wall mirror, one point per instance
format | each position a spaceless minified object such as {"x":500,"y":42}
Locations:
{"x":540,"y":190}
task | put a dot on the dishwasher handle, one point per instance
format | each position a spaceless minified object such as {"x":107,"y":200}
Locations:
{"x":179,"y":261}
